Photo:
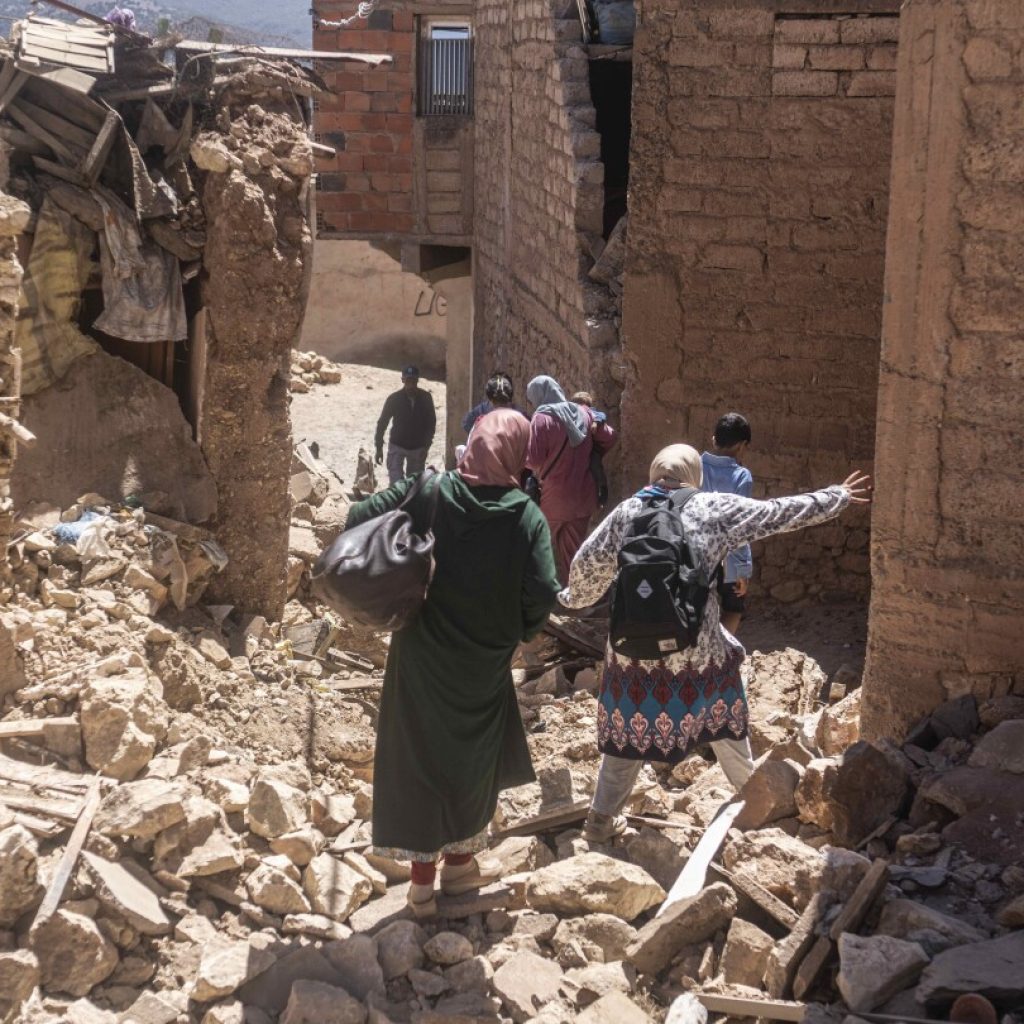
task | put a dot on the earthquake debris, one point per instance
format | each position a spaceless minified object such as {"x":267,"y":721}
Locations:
{"x":309,"y":368}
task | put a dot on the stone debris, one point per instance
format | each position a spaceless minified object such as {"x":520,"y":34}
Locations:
{"x":309,"y":369}
{"x":228,"y":876}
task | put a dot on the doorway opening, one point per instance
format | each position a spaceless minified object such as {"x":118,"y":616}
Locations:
{"x":611,"y":92}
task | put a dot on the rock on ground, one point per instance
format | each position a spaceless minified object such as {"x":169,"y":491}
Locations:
{"x":593,"y":883}
{"x":19,"y":884}
{"x":994,"y":969}
{"x":745,"y":955}
{"x":447,"y":948}
{"x":313,"y":1002}
{"x":525,"y":983}
{"x":400,"y":948}
{"x":873,"y":968}
{"x":74,"y":955}
{"x":902,"y":918}
{"x":839,"y":725}
{"x":615,"y":1008}
{"x":1002,"y":748}
{"x":121,"y":891}
{"x":601,"y":938}
{"x":684,"y":923}
{"x":334,"y":888}
{"x":226,"y":966}
{"x":355,"y":961}
{"x":769,"y":794}
{"x":141,"y":809}
{"x":19,"y":975}
{"x":276,"y":808}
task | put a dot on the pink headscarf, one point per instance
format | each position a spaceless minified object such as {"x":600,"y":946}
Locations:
{"x":496,"y":450}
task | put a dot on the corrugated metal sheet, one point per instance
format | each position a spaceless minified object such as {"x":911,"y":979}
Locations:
{"x":60,"y":44}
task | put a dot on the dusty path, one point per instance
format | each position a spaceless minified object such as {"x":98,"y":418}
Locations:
{"x":342,"y":418}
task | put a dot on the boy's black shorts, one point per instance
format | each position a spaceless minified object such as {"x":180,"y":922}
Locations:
{"x":730,"y":600}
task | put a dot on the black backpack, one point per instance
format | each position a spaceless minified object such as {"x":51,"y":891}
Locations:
{"x":659,"y":595}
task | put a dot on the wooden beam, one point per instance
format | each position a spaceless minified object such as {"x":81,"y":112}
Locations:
{"x":60,"y":127}
{"x":194,"y":46}
{"x":12,"y":90}
{"x":857,"y":906}
{"x":68,"y":174}
{"x":93,"y":164}
{"x":736,"y":1006}
{"x":32,"y":726}
{"x":557,"y":817}
{"x":11,"y":426}
{"x":757,"y":893}
{"x":69,"y":858}
{"x":39,"y":132}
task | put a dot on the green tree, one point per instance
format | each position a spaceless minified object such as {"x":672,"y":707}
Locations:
{"x":215,"y":35}
{"x":163,"y":27}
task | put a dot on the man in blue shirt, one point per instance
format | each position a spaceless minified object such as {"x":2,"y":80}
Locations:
{"x":724,"y":472}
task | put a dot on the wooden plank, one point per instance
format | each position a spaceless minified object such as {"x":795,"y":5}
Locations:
{"x":7,"y":74}
{"x":788,"y":954}
{"x":80,"y":110}
{"x":691,"y":878}
{"x":43,"y":778}
{"x":557,"y":817}
{"x":661,"y":824}
{"x":12,"y":90}
{"x":59,"y":55}
{"x":40,"y":827}
{"x":39,"y":132}
{"x":754,"y":891}
{"x":9,"y":425}
{"x":812,"y":965}
{"x":194,"y":46}
{"x":78,"y":82}
{"x":94,"y":162}
{"x":352,"y":685}
{"x":18,"y":139}
{"x":70,"y":856}
{"x":68,"y":174}
{"x":878,"y":832}
{"x":857,"y":906}
{"x":55,"y":123}
{"x":736,"y":1006}
{"x":49,"y":807}
{"x":33,"y":726}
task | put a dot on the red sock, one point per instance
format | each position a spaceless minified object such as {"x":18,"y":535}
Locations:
{"x":423,"y":872}
{"x":457,"y":860}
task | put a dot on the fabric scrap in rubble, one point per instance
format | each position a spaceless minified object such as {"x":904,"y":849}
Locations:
{"x":142,"y":291}
{"x":51,"y":296}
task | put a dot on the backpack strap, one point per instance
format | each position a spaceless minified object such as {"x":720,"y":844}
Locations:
{"x":680,"y":497}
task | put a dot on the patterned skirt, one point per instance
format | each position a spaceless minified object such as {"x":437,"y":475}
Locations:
{"x":654,"y":711}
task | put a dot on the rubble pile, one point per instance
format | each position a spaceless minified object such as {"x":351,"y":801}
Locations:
{"x":185,"y":796}
{"x":309,"y":368}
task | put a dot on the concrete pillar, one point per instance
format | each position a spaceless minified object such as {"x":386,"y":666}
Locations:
{"x":458,"y":294}
{"x":947,"y":532}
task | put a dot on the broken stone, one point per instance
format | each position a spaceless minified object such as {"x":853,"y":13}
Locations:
{"x":874,"y":968}
{"x":600,"y":938}
{"x":785,"y":866}
{"x":993,"y":969}
{"x":597,"y":980}
{"x":520,"y":853}
{"x":276,"y":808}
{"x":1012,"y":915}
{"x":299,"y":847}
{"x":852,"y":795}
{"x":270,"y":989}
{"x":316,"y":925}
{"x":149,"y":1008}
{"x":271,"y":889}
{"x":355,"y":960}
{"x":200,"y":845}
{"x":769,"y":794}
{"x":209,"y":153}
{"x":229,"y":794}
{"x":1002,"y":749}
{"x":839,"y":725}
{"x":999,"y":709}
{"x":226,"y":966}
{"x":123,"y":893}
{"x":903,"y":918}
{"x":334,"y":888}
{"x":313,"y":1002}
{"x":447,"y":948}
{"x":658,"y":855}
{"x":19,"y":885}
{"x":745,"y":955}
{"x":473,"y":975}
{"x":74,"y":955}
{"x":19,"y":975}
{"x":122,"y":721}
{"x":333,"y":813}
{"x":614,"y":1008}
{"x":400,"y":948}
{"x":684,"y":923}
{"x":593,"y":883}
{"x":357,"y":862}
{"x":525,"y":983}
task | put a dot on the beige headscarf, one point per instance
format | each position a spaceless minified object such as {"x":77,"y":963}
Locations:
{"x":677,"y":465}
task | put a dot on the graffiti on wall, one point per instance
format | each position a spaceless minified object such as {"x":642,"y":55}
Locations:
{"x":429,"y":303}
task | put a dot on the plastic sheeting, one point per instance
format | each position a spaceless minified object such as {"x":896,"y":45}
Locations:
{"x":142,"y":296}
{"x":51,"y":297}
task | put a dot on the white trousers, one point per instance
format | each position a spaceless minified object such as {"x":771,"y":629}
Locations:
{"x":617,"y":775}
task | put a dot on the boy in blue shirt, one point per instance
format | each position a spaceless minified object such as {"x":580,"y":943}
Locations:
{"x":724,"y":472}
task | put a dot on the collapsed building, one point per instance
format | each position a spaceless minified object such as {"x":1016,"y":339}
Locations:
{"x":160,"y":210}
{"x":812,"y":240}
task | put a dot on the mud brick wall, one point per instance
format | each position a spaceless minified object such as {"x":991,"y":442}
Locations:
{"x":539,"y":199}
{"x":443,"y":159}
{"x":948,"y":594}
{"x":368,"y":118}
{"x":758,"y":202}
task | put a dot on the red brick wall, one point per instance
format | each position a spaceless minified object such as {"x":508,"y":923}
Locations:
{"x":758,"y":202}
{"x":948,"y":534}
{"x":368,"y":118}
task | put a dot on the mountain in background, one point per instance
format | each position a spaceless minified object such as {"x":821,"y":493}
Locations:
{"x":272,"y":22}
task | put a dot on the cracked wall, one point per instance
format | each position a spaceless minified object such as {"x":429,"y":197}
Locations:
{"x":948,"y":585}
{"x":758,"y":202}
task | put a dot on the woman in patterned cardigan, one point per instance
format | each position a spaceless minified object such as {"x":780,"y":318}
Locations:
{"x":661,"y":710}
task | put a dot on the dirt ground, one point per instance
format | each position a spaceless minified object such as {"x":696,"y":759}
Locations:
{"x":342,"y":418}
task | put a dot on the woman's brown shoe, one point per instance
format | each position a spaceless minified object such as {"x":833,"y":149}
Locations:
{"x":466,"y":877}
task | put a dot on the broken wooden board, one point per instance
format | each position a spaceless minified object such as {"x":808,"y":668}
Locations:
{"x":556,"y":817}
{"x":574,"y":633}
{"x":66,"y":810}
{"x":32,"y":726}
{"x":737,"y":1006}
{"x":14,"y":86}
{"x":788,"y":954}
{"x":68,"y":174}
{"x":69,"y":857}
{"x":692,"y":878}
{"x":96,"y":158}
{"x":195,"y":46}
{"x":758,"y":894}
{"x":42,"y":778}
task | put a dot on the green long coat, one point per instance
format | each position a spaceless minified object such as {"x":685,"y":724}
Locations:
{"x":450,"y":737}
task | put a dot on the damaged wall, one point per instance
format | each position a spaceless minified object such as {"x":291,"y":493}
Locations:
{"x":758,"y":196}
{"x":948,"y":595}
{"x":539,"y":206}
{"x":256,"y":272}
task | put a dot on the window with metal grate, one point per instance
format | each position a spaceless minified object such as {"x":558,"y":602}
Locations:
{"x":445,"y":70}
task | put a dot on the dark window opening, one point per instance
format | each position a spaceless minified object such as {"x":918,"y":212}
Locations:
{"x":611,"y":91}
{"x":445,"y":70}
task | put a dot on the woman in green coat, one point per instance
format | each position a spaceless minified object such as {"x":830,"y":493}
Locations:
{"x":450,"y":737}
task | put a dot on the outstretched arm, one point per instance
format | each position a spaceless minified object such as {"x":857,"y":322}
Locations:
{"x":382,"y":423}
